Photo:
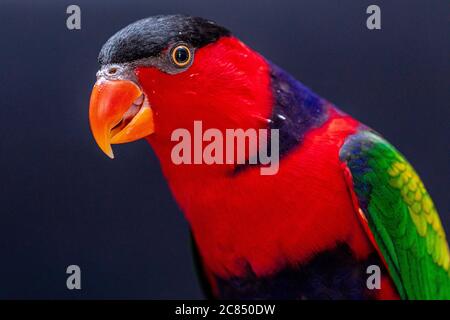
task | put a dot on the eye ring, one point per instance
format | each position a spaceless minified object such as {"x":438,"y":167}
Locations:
{"x":181,"y":55}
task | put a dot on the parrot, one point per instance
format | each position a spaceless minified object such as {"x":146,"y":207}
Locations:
{"x":345,"y":217}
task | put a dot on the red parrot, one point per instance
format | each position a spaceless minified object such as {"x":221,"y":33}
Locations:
{"x":342,"y":201}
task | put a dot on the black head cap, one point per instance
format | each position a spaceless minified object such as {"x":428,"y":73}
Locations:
{"x":147,"y":37}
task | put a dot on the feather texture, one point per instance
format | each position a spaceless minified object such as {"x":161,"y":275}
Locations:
{"x":401,"y":216}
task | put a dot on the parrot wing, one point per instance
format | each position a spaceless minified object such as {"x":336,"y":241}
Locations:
{"x":399,"y":216}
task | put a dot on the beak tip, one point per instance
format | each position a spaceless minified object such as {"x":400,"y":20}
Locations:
{"x":107,"y":150}
{"x":109,"y":153}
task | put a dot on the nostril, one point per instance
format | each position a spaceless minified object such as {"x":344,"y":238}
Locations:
{"x":112,"y":70}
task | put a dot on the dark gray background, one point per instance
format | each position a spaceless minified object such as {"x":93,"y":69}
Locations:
{"x":63,"y":202}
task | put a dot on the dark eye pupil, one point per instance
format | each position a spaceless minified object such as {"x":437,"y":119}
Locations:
{"x":181,"y":55}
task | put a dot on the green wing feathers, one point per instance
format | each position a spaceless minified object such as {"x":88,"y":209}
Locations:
{"x":401,"y":216}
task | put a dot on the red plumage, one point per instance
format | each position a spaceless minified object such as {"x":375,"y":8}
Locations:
{"x":296,"y":233}
{"x":267,"y":221}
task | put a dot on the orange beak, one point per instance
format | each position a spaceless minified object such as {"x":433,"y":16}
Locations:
{"x":118,"y":113}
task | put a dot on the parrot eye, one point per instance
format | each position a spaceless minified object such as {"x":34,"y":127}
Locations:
{"x":181,"y":56}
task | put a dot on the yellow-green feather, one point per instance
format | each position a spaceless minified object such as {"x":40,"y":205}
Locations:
{"x":401,"y":216}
